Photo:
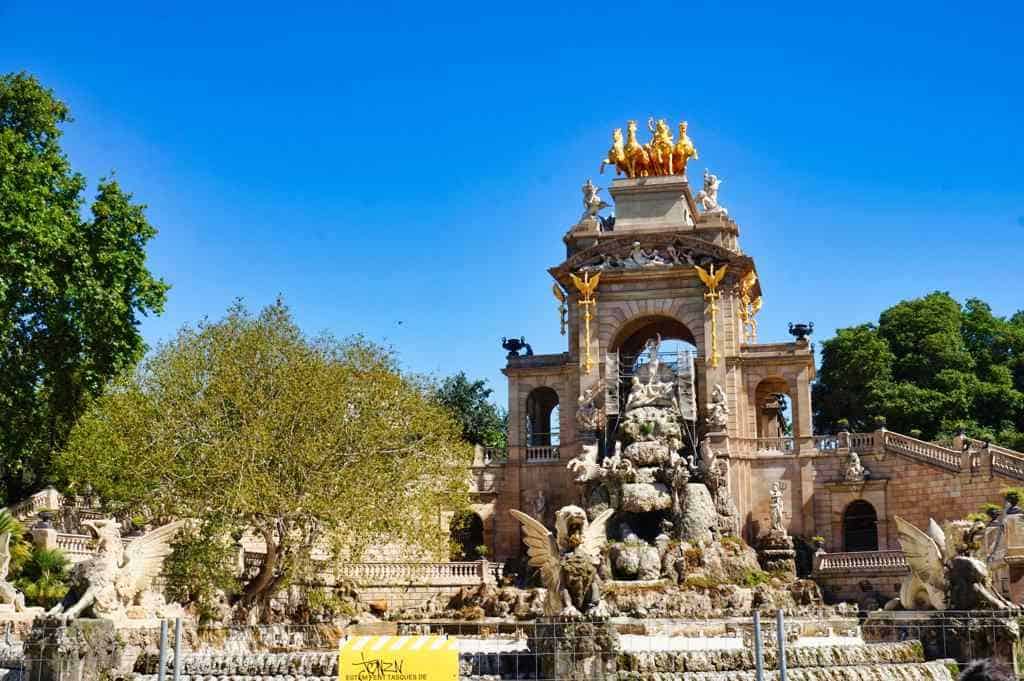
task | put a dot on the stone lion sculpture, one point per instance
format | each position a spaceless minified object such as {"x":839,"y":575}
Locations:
{"x":117,"y":577}
{"x":568,"y":560}
{"x":943,"y":576}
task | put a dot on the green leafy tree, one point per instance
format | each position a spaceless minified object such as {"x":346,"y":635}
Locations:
{"x":201,"y":569}
{"x":72,"y":287}
{"x":307,"y":443}
{"x":44,"y":577}
{"x":469,"y":402}
{"x":930,"y":365}
{"x":19,"y":547}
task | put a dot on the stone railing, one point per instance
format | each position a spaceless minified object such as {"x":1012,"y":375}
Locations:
{"x":860,"y":561}
{"x":47,"y":499}
{"x":1007,"y":462}
{"x":77,"y":547}
{"x":859,"y":442}
{"x":786,"y":445}
{"x":1004,"y":460}
{"x":425,"y":574}
{"x":826,"y":444}
{"x":455,"y":573}
{"x":925,"y":451}
{"x":542,"y":454}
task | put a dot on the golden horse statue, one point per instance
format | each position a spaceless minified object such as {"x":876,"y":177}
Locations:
{"x":616,"y":155}
{"x":638,"y":162}
{"x":659,"y":149}
{"x":683,"y":151}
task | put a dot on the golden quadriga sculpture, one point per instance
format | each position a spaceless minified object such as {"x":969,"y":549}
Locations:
{"x":661,"y":156}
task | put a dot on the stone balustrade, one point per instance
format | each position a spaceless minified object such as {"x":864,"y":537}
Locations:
{"x":77,"y":547}
{"x":860,"y":561}
{"x":925,"y":451}
{"x":543,"y":454}
{"x":453,"y":573}
{"x":1004,"y":460}
{"x":47,"y":499}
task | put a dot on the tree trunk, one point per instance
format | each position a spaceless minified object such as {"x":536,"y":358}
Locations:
{"x":265,"y":577}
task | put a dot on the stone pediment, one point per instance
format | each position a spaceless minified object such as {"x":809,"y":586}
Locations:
{"x":657,"y":252}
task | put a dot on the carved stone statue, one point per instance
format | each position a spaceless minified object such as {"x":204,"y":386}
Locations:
{"x":943,"y":574}
{"x":776,"y":497}
{"x":538,"y":504}
{"x":707,"y":198}
{"x":853,"y":471}
{"x":9,"y":595}
{"x":568,"y":560}
{"x":589,"y":412}
{"x":718,"y":410}
{"x":117,"y":577}
{"x":592,"y":203}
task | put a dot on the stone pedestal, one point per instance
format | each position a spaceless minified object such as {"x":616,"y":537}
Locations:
{"x":574,"y":651}
{"x":775,"y":553}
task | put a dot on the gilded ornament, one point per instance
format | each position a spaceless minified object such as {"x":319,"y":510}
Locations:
{"x":712,"y":280}
{"x":660,"y":156}
{"x":586,"y":286}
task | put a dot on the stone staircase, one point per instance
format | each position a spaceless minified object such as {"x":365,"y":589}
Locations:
{"x":1000,"y":461}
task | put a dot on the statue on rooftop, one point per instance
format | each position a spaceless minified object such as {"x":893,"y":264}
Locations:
{"x":683,"y":151}
{"x":707,"y":198}
{"x":592,"y":203}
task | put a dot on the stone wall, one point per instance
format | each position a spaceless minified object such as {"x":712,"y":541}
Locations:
{"x":914,"y":490}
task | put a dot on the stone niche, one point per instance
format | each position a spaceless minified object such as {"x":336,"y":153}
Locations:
{"x":841,"y":494}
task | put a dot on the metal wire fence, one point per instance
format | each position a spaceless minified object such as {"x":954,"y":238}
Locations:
{"x":905,"y":646}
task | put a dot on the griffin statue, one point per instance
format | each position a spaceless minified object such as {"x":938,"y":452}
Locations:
{"x":117,"y":577}
{"x":943,"y":574}
{"x":568,"y":561}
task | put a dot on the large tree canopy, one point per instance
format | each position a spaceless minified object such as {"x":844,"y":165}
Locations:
{"x":72,"y":288}
{"x":310,"y":443}
{"x":931,"y":365}
{"x":469,"y":402}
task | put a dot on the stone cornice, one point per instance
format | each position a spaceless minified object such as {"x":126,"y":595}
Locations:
{"x":620,"y":246}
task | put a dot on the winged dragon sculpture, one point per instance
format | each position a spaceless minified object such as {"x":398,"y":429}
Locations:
{"x":568,"y":560}
{"x":943,"y":575}
{"x":118,"y":576}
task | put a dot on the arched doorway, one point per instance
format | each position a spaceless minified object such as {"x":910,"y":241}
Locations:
{"x":467,"y":534}
{"x":860,"y":527}
{"x":773,"y":401}
{"x":542,"y":418}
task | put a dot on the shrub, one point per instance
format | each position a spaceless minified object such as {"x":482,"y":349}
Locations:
{"x":44,"y":577}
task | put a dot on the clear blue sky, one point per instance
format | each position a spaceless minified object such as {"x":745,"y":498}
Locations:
{"x":379,"y":163}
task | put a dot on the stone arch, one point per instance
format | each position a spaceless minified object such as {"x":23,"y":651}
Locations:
{"x":773,"y":416}
{"x":860,"y":526}
{"x":542,"y":424}
{"x":631,"y":336}
{"x":466,"y":530}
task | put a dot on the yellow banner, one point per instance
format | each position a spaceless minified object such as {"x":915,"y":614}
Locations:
{"x":398,"y":658}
